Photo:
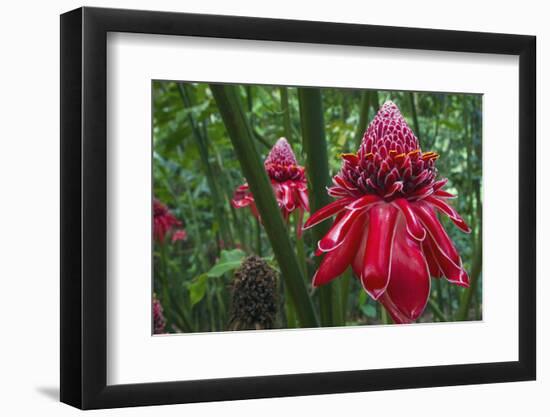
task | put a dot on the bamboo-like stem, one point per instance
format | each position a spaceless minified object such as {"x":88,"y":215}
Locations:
{"x":300,"y":249}
{"x":363,"y":116}
{"x":466,"y":299}
{"x":412,"y":99}
{"x":375,"y":101}
{"x":232,"y":113}
{"x":286,"y":113}
{"x":345,"y":289}
{"x":467,"y":295}
{"x":384,"y":316}
{"x":439,"y":290}
{"x":315,"y":147}
{"x":258,"y":237}
{"x":436,"y":310}
{"x":291,"y":322}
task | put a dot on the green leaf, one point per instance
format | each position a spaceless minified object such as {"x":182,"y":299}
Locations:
{"x":229,"y":260}
{"x":197,"y":289}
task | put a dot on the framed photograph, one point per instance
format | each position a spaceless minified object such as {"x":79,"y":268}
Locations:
{"x":258,"y":208}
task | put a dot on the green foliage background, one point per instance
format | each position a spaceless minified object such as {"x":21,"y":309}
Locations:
{"x":196,"y":170}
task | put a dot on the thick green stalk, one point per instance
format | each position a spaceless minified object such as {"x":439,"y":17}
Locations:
{"x":363,"y":116}
{"x":227,"y":99}
{"x":415,"y":116}
{"x":477,"y":224}
{"x":315,"y":147}
{"x":345,"y":289}
{"x":375,"y":101}
{"x":300,"y":249}
{"x":466,"y":299}
{"x":384,"y":316}
{"x":436,"y":310}
{"x":286,"y":113}
{"x":258,"y":238}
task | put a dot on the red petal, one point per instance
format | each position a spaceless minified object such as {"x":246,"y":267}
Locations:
{"x":336,"y":262}
{"x":414,"y":227}
{"x":409,"y":286}
{"x":242,"y":202}
{"x":429,"y":219}
{"x":397,"y":316}
{"x":378,"y":250}
{"x":395,"y":187}
{"x":444,"y":194}
{"x":445,"y":252}
{"x":357,"y":264}
{"x":303,"y":199}
{"x":328,"y":211}
{"x":338,"y":231}
{"x":450,"y":212}
{"x":440,"y":184}
{"x":454,"y":273}
{"x":363,"y":202}
{"x":429,"y":254}
{"x":299,"y":229}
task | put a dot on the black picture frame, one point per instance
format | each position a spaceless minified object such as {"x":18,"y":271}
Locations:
{"x":84,"y":207}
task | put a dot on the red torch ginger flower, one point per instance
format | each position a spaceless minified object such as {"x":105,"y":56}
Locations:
{"x":386,"y":225}
{"x":287,"y":179}
{"x":163,"y":222}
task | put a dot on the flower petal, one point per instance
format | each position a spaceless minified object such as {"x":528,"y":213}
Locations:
{"x":397,"y":316}
{"x":328,"y":211}
{"x":445,"y":252}
{"x":357,"y":263}
{"x":375,"y":275}
{"x":338,"y":231}
{"x":450,"y":212}
{"x":303,"y":198}
{"x":409,"y":286}
{"x":429,"y":254}
{"x":440,"y":184}
{"x":414,"y":227}
{"x":363,"y":202}
{"x":444,"y":194}
{"x":241,"y":202}
{"x":336,"y":262}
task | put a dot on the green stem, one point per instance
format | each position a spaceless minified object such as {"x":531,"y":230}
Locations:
{"x":300,"y":248}
{"x":345,"y":289}
{"x":439,"y":290}
{"x":286,"y":113}
{"x":436,"y":310}
{"x":384,"y":315}
{"x":363,"y":116}
{"x":466,"y":299}
{"x":290,"y":315}
{"x":232,"y":113}
{"x":258,"y":237}
{"x":412,"y":99}
{"x":315,"y":147}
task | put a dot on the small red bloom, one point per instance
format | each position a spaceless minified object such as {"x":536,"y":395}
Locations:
{"x":163,"y":221}
{"x":287,"y":179}
{"x":179,"y":234}
{"x":386,"y":225}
